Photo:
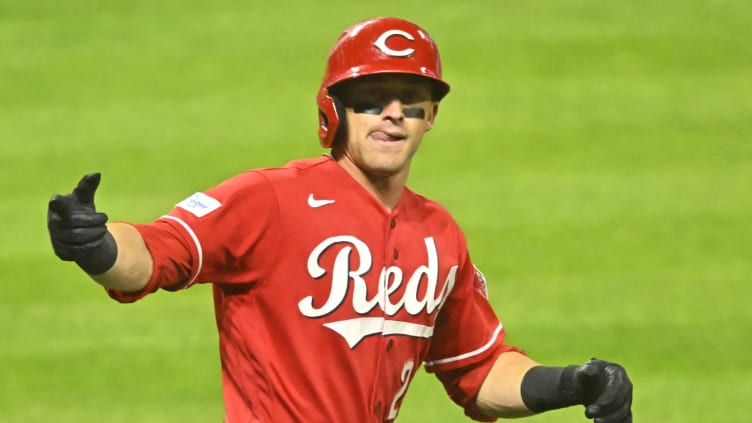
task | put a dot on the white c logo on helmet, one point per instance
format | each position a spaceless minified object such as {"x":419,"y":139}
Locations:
{"x":381,"y":43}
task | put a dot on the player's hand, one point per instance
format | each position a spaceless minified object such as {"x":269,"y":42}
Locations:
{"x":608,"y":391}
{"x":77,"y":231}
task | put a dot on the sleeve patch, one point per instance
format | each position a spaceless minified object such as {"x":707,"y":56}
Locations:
{"x":199,"y":204}
{"x":480,"y":282}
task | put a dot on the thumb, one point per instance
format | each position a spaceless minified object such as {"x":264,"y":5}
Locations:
{"x":590,"y":379}
{"x":84,"y":192}
{"x":60,"y":205}
{"x":588,"y":373}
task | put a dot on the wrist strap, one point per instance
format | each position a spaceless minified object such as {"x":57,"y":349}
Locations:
{"x":101,"y":258}
{"x":546,"y":388}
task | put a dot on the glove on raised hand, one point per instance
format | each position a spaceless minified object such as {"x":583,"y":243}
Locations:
{"x":78,"y":232}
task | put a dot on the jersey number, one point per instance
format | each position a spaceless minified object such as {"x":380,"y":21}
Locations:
{"x":407,"y":370}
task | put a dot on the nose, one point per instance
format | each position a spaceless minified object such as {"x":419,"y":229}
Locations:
{"x":394,"y":110}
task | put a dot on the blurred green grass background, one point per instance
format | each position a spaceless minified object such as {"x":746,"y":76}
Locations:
{"x":597,"y":155}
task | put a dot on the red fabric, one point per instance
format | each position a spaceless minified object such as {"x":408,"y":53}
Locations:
{"x":326,"y":310}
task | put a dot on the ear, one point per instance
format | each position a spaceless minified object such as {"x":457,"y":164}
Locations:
{"x":432,"y":116}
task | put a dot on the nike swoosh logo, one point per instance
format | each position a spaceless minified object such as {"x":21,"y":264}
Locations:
{"x":316,"y":203}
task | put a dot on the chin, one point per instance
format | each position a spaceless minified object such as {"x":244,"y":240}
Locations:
{"x":385,"y":170}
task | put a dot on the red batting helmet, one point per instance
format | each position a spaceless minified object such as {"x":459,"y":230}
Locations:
{"x":380,"y":45}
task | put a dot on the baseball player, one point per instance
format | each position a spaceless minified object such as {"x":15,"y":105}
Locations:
{"x":333,"y":282}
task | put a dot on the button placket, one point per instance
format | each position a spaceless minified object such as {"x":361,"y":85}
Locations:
{"x":392,"y":225}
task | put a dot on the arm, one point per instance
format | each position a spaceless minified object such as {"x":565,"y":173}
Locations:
{"x":517,"y":386}
{"x":113,"y":255}
{"x":500,"y":394}
{"x":133,"y":264}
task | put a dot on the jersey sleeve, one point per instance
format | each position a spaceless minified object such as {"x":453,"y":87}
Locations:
{"x":468,"y":338}
{"x":210,"y":237}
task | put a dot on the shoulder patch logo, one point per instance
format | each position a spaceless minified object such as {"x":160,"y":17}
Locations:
{"x":199,"y":204}
{"x":480,"y":282}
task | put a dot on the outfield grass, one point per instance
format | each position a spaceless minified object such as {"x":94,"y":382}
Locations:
{"x":597,"y":154}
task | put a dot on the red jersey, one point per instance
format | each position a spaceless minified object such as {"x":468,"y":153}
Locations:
{"x":327,"y":303}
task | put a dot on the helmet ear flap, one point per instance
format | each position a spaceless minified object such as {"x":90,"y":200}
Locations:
{"x":339,"y":107}
{"x":332,"y":122}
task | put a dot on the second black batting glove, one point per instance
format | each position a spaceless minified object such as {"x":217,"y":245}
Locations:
{"x":602,"y":387}
{"x":78,"y":232}
{"x":607,"y":391}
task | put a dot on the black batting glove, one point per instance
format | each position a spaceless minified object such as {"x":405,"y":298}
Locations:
{"x":606,"y":391}
{"x":78,"y":232}
{"x":602,"y":387}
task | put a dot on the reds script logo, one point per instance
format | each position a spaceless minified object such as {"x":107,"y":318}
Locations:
{"x":391,"y":279}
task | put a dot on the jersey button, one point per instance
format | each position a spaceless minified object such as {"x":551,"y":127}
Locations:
{"x":393,"y":223}
{"x":377,"y":408}
{"x":389,"y":345}
{"x":396,"y":254}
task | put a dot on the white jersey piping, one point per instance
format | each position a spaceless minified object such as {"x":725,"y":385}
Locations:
{"x":467,"y":354}
{"x":193,"y":236}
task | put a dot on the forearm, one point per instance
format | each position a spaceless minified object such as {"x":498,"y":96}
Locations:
{"x":133,"y":265}
{"x":500,"y":394}
{"x":517,"y":386}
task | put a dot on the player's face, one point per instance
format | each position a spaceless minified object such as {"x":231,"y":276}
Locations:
{"x":387,"y":116}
